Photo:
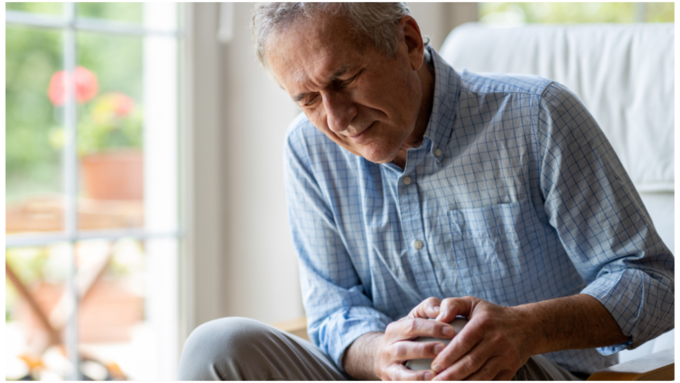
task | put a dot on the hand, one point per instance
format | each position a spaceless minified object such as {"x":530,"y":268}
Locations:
{"x":494,"y":344}
{"x":396,"y":347}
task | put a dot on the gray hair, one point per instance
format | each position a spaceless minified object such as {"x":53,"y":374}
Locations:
{"x":377,"y":21}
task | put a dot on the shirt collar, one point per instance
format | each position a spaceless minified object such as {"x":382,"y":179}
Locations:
{"x":446,"y":94}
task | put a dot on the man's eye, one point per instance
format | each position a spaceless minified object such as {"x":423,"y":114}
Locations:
{"x":351,"y":80}
{"x":311,"y":100}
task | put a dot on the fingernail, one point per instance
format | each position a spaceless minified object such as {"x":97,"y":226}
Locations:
{"x":428,"y":376}
{"x":449,"y":331}
{"x":436,"y":308}
{"x":438,"y":348}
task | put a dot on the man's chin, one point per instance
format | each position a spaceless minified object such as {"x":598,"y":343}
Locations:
{"x":377,"y":156}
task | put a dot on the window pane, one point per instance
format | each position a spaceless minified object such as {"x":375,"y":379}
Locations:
{"x":35,"y":275}
{"x":110,"y":131}
{"x":568,"y":13}
{"x":45,"y":8}
{"x":128,"y":12}
{"x":123,"y":321}
{"x":123,"y":313}
{"x":34,"y":130}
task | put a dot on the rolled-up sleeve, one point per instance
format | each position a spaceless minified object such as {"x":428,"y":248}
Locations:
{"x":601,"y":221}
{"x":337,"y":308}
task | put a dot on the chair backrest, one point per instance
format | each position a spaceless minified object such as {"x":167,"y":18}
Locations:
{"x":624,"y":74}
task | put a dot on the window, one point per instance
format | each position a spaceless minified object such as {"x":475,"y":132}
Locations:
{"x":571,"y":13}
{"x":92,"y":222}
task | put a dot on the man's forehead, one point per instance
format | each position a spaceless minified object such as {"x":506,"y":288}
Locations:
{"x":318,"y":53}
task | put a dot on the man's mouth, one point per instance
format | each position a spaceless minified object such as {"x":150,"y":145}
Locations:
{"x":358,"y":138}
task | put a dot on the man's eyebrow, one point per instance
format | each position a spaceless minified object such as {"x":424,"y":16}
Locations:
{"x":342,"y":70}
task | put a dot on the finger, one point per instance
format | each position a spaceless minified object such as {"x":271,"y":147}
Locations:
{"x":407,"y":350}
{"x":461,"y":346}
{"x":418,"y":327}
{"x":400,"y":372}
{"x":470,"y":363}
{"x":429,"y":308}
{"x":450,"y":307}
{"x":489,"y":371}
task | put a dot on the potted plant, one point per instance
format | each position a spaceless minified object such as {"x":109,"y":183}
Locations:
{"x":109,"y":138}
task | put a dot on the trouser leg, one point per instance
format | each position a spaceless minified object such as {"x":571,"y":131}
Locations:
{"x":244,"y":349}
{"x":540,"y":368}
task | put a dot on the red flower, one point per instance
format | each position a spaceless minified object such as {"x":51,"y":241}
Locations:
{"x":123,"y":104}
{"x":86,"y":84}
{"x":111,"y":105}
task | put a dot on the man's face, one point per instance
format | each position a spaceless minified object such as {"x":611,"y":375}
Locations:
{"x":361,"y":99}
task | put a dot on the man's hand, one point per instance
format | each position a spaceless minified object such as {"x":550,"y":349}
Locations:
{"x":383,"y":355}
{"x":494,"y":344}
{"x":397,"y":347}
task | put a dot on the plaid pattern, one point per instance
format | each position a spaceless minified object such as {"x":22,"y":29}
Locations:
{"x":516,"y":196}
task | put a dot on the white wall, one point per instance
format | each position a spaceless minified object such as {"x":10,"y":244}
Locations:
{"x":260,"y":268}
{"x":257,"y":269}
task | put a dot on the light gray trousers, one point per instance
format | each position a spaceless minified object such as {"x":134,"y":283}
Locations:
{"x":245,"y":349}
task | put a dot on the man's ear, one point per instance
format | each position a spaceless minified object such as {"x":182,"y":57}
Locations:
{"x":414,"y":41}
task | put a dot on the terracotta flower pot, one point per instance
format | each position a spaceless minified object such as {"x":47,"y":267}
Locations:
{"x":113,"y":175}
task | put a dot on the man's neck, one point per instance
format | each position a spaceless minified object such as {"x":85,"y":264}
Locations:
{"x":426,"y":75}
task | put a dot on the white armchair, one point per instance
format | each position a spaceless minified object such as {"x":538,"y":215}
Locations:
{"x":624,"y":74}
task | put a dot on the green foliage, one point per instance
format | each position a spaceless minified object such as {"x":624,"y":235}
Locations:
{"x":125,"y":132}
{"x":572,"y":13}
{"x":28,"y":263}
{"x":128,"y":12}
{"x":46,"y":8}
{"x":32,"y":56}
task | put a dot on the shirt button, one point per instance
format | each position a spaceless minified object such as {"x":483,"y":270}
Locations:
{"x":407,"y":180}
{"x":437,"y":152}
{"x":417,"y":244}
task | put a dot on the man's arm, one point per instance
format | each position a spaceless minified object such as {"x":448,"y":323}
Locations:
{"x":601,"y":221}
{"x":575,"y":322}
{"x":361,"y":356}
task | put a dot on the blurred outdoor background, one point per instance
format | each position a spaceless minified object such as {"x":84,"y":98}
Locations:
{"x":106,"y":153}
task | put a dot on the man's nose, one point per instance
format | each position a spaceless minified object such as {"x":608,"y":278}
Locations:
{"x":340,"y":111}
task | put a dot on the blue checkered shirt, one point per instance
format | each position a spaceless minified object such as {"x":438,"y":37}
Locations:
{"x":515,"y":195}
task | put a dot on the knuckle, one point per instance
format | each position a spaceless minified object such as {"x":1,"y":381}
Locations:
{"x":432,"y":301}
{"x":472,"y":363}
{"x":411,"y":328}
{"x":400,"y":350}
{"x":486,"y":321}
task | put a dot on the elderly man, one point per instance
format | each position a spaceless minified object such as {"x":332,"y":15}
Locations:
{"x":417,"y":194}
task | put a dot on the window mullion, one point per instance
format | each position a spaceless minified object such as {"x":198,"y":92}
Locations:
{"x":71,"y":187}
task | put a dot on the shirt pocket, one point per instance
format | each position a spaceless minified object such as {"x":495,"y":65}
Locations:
{"x":495,"y":260}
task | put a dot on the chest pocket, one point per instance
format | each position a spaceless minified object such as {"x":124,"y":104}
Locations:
{"x":493,"y":253}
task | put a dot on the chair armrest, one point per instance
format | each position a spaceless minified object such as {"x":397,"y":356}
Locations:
{"x":657,"y":366}
{"x":297,"y":326}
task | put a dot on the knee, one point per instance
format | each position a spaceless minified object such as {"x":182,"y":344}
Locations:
{"x":214,"y":348}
